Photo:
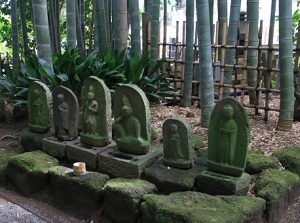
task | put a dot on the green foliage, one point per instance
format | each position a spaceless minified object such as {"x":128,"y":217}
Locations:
{"x":295,"y":22}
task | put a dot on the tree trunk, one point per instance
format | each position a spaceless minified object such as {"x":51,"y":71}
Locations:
{"x":235,"y":9}
{"x":286,"y":113}
{"x":24,"y":28}
{"x":205,"y":62}
{"x":154,"y":34}
{"x":71,"y":24}
{"x":41,"y":27}
{"x":189,"y":55}
{"x":222,"y":17}
{"x":211,"y":20}
{"x":14,"y":25}
{"x":135,"y":27}
{"x":79,"y":31}
{"x":120,"y":25}
{"x":252,"y":60}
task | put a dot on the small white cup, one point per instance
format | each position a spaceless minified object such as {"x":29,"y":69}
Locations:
{"x":79,"y":168}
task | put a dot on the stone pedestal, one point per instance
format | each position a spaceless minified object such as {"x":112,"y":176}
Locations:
{"x":79,"y":152}
{"x":169,"y":179}
{"x":219,"y":184}
{"x":54,"y":147}
{"x":32,"y":141}
{"x":115,"y":163}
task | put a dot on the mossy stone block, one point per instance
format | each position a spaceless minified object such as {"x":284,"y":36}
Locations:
{"x":192,"y":207}
{"x":257,"y":162}
{"x":279,"y":188}
{"x":123,"y":197}
{"x":169,"y":179}
{"x":80,"y":194}
{"x":218,"y":184}
{"x":198,"y":142}
{"x":5,"y":154}
{"x":289,"y":158}
{"x":29,"y":171}
{"x":32,"y":141}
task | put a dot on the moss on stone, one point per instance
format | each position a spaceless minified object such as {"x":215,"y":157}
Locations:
{"x":272,"y":184}
{"x":190,"y":207}
{"x":91,"y":180}
{"x":257,"y":162}
{"x":34,"y":162}
{"x":198,"y":142}
{"x":122,"y":198}
{"x":5,"y":154}
{"x":289,"y":158}
{"x":154,"y":134}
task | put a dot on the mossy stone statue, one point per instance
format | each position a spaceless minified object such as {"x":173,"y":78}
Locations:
{"x":96,"y":107}
{"x":228,"y":138}
{"x":132,"y":127}
{"x":66,"y":113}
{"x":39,"y":107}
{"x":178,"y":143}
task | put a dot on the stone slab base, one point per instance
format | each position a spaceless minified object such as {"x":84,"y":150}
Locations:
{"x":218,"y":184}
{"x":118,"y":164}
{"x":32,"y":141}
{"x":79,"y":152}
{"x":54,"y":147}
{"x":169,"y":179}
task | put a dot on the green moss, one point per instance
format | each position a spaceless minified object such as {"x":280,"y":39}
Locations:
{"x":257,"y":162}
{"x":191,"y":207}
{"x":198,"y":142}
{"x":289,"y":158}
{"x":154,"y":134}
{"x":34,"y":162}
{"x":91,"y":180}
{"x":273,"y":183}
{"x":5,"y":154}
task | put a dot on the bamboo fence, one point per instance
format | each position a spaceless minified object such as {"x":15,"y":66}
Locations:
{"x":267,"y":69}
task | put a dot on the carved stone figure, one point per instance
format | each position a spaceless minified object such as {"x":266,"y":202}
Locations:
{"x":132,"y":120}
{"x":90,"y":113}
{"x":66,"y":113}
{"x":228,"y":138}
{"x":178,"y":144}
{"x":96,"y":107}
{"x":39,"y":107}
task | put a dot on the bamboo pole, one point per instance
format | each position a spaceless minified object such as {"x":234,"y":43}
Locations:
{"x":222,"y":62}
{"x":176,"y":53}
{"x":259,"y":73}
{"x":245,"y":57}
{"x":296,"y":65}
{"x":216,"y":49}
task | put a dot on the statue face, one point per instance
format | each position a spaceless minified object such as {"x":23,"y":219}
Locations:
{"x":228,"y":112}
{"x":60,"y":98}
{"x":126,"y":111}
{"x":91,"y":95}
{"x":173,"y":128}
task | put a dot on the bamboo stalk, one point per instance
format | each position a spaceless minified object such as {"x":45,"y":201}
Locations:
{"x":176,"y":53}
{"x":222,"y":62}
{"x":259,"y":73}
{"x":244,"y":73}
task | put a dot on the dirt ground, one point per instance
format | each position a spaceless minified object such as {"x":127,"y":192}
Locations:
{"x":264,"y":137}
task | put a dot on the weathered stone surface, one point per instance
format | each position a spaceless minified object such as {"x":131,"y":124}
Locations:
{"x":96,"y":107}
{"x":279,"y":188}
{"x":32,"y":141}
{"x":118,"y":164}
{"x":228,"y":138}
{"x":65,"y":113}
{"x":132,"y":127}
{"x":195,"y":207}
{"x":54,"y":148}
{"x":178,"y":143}
{"x":29,"y":171}
{"x":5,"y":154}
{"x":257,"y":162}
{"x":80,"y":194}
{"x":79,"y":152}
{"x":39,"y":107}
{"x":169,"y":179}
{"x":289,"y":157}
{"x":123,"y":197}
{"x":219,"y":184}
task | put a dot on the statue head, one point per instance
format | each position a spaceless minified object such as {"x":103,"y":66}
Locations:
{"x":36,"y":92}
{"x":173,"y":128}
{"x":60,"y":98}
{"x":228,"y":111}
{"x":127,"y":111}
{"x":91,"y":93}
